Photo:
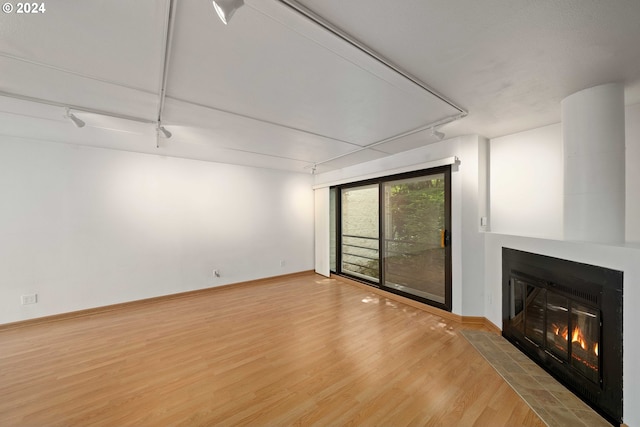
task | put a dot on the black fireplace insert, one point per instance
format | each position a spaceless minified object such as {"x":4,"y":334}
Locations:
{"x":567,"y":317}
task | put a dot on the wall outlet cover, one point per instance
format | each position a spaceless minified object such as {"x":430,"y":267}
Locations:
{"x":29,"y":299}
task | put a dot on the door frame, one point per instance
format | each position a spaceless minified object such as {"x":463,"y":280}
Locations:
{"x":446,"y":170}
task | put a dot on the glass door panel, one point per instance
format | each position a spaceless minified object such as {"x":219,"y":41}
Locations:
{"x":534,"y":314}
{"x":360,"y":232}
{"x":414,"y":236}
{"x":516,"y":315}
{"x":585,"y":336}
{"x":558,"y":325}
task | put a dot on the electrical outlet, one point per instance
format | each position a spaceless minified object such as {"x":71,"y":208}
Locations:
{"x":216,"y":273}
{"x":29,"y":299}
{"x":282,"y":263}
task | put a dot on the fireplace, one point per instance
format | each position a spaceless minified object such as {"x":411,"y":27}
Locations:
{"x":567,"y":317}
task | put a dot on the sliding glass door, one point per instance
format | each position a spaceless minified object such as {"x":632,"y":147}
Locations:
{"x":394,"y":233}
{"x":360,"y":232}
{"x":415,"y":236}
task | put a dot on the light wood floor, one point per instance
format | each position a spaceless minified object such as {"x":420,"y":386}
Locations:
{"x":301,"y":350}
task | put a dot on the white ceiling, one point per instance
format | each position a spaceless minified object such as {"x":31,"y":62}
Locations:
{"x":273,"y":89}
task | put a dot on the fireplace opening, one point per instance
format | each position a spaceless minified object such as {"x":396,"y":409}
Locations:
{"x":567,"y":317}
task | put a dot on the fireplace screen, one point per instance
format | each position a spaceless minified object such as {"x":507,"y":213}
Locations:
{"x":585,"y":331}
{"x":567,"y":330}
{"x":558,"y":326}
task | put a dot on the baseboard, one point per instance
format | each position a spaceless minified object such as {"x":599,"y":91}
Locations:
{"x":483,"y":321}
{"x":145,"y":301}
{"x":463,"y":320}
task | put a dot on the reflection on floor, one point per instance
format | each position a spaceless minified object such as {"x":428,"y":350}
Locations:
{"x":556,"y":405}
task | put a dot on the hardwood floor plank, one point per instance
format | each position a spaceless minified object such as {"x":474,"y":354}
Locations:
{"x":300,"y":350}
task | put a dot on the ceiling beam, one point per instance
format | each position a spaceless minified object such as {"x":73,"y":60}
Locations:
{"x":309,"y":14}
{"x":433,"y":125}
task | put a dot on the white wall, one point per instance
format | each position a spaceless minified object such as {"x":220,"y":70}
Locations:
{"x":467,"y":241}
{"x":526,"y":183}
{"x":322,"y":231}
{"x":632,"y":170}
{"x":84,"y":227}
{"x":471,"y":244}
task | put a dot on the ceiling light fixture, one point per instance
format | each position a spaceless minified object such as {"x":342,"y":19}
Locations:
{"x":438,"y":135}
{"x":164,"y":132}
{"x":76,"y":121}
{"x":226,"y":8}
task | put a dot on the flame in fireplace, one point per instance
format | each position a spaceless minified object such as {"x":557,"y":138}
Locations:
{"x":576,"y":337}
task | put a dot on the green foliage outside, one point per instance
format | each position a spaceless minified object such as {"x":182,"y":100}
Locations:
{"x":414,"y":219}
{"x":414,"y":257}
{"x":417,"y":212}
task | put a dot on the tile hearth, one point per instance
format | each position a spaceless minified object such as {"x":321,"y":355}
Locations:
{"x":557,"y":406}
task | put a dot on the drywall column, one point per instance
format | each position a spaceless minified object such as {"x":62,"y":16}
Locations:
{"x":594,"y":176}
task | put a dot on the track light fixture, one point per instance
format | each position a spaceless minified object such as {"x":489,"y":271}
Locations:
{"x":437,"y":134}
{"x":226,"y":8}
{"x":164,"y":132}
{"x":76,"y":121}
